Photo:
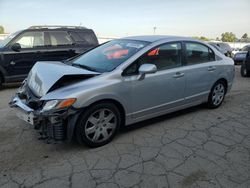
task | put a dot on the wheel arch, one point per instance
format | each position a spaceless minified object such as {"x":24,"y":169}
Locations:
{"x":224,"y":80}
{"x":2,"y":73}
{"x":116,"y":103}
{"x":72,"y":121}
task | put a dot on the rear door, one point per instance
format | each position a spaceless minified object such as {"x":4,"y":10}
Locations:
{"x":201,"y":71}
{"x":61,"y":46}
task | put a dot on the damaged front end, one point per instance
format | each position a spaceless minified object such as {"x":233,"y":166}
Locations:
{"x":52,"y":117}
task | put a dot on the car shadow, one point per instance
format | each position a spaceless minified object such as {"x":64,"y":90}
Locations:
{"x":73,"y":146}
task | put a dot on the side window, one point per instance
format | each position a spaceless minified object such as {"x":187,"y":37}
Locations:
{"x":60,"y":38}
{"x":31,"y":39}
{"x":165,"y":56}
{"x":82,"y":37}
{"x":198,"y":53}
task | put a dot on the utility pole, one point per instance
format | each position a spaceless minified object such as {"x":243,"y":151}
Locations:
{"x":154,"y":29}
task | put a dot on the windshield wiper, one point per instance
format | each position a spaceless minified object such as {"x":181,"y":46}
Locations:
{"x":85,"y":67}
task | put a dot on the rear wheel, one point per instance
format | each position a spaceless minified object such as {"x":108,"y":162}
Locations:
{"x":98,"y":125}
{"x":243,"y":71}
{"x":217,"y":94}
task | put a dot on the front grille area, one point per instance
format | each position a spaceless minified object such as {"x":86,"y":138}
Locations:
{"x":51,"y":130}
{"x":56,"y":132}
{"x":51,"y":126}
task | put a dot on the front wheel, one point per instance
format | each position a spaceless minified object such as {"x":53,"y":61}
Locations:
{"x":217,"y":94}
{"x":98,"y":124}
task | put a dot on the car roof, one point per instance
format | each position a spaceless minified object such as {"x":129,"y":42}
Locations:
{"x":59,"y":29}
{"x":154,"y":38}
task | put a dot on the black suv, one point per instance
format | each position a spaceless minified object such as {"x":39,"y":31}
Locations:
{"x":22,"y":49}
{"x":245,"y":67}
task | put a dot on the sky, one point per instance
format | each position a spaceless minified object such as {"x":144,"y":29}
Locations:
{"x":118,"y":18}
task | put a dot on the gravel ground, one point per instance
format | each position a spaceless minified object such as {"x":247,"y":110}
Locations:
{"x":197,"y":147}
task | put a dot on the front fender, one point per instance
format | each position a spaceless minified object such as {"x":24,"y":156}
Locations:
{"x":84,"y":101}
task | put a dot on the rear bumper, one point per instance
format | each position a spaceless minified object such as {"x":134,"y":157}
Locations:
{"x":239,"y":59}
{"x":52,"y":125}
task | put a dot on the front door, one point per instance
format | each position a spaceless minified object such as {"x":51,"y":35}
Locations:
{"x":162,"y":90}
{"x":32,"y":50}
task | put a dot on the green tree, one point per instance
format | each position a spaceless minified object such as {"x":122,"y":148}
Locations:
{"x":1,"y":29}
{"x":245,"y":36}
{"x":201,"y":38}
{"x":228,"y":37}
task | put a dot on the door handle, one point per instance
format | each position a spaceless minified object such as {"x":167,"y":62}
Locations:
{"x":12,"y":62}
{"x":211,"y":68}
{"x":178,"y":75}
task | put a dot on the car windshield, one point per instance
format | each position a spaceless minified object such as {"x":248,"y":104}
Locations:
{"x":110,"y":55}
{"x":8,"y":39}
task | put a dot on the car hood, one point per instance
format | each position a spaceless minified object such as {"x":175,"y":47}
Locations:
{"x":50,"y":75}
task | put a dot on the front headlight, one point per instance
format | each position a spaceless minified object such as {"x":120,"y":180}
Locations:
{"x":50,"y":104}
{"x":58,"y":104}
{"x":22,"y":88}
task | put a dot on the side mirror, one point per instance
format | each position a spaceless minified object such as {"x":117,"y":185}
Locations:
{"x":146,"y":69}
{"x":16,"y":47}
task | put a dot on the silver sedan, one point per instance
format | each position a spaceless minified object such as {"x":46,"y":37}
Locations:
{"x":119,"y":83}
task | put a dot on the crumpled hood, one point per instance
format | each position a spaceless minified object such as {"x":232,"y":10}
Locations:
{"x":45,"y":74}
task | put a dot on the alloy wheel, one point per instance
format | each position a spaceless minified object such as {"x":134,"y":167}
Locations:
{"x":100,"y":125}
{"x":218,"y":94}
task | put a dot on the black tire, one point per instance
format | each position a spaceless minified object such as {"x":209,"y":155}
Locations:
{"x":1,"y":81}
{"x":211,"y":99}
{"x":243,"y":71}
{"x":83,"y":123}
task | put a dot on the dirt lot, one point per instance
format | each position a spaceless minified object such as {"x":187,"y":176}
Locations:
{"x":197,"y":147}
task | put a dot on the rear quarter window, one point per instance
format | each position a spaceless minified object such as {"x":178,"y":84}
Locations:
{"x":84,"y":37}
{"x":60,"y":38}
